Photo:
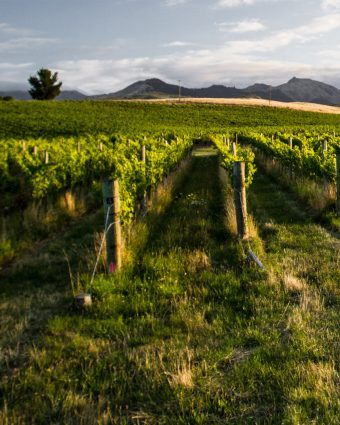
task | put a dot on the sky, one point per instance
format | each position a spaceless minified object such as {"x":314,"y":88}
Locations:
{"x":101,"y":46}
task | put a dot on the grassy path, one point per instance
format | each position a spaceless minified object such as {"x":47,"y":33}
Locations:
{"x":36,"y":287}
{"x":303,"y":259}
{"x":191,"y":335}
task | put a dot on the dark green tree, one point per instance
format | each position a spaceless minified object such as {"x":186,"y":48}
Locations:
{"x":44,"y":85}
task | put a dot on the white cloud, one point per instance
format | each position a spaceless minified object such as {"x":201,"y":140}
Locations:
{"x":239,"y":62}
{"x":178,"y":44}
{"x":8,"y":29}
{"x":316,"y":28}
{"x":329,"y":4}
{"x":194,"y":68}
{"x":25,"y":43}
{"x":331,"y":55}
{"x":172,"y":3}
{"x":21,"y":38}
{"x":234,"y":3}
{"x":14,"y":66}
{"x":96,"y":76}
{"x":117,"y":44}
{"x":237,"y":3}
{"x":15,"y":72}
{"x":242,"y":61}
{"x":247,"y":25}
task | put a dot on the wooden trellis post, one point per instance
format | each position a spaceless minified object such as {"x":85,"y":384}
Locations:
{"x":291,"y":142}
{"x":234,"y":149}
{"x":112,"y":225}
{"x":324,"y":146}
{"x":46,"y":157}
{"x":143,"y":158}
{"x":338,"y":184}
{"x":35,"y":150}
{"x":240,"y":199}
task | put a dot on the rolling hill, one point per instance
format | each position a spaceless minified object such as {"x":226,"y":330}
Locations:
{"x":295,"y":90}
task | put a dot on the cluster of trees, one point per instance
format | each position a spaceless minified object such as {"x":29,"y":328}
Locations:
{"x":6,"y":98}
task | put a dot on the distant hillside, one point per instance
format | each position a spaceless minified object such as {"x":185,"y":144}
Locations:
{"x":305,"y":90}
{"x":295,"y":90}
{"x":16,"y":94}
{"x":24,"y":95}
{"x":265,"y":91}
{"x":71,"y":95}
{"x":152,"y":88}
{"x":155,"y":88}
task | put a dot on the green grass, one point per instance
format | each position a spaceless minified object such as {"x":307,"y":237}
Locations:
{"x":315,"y":194}
{"x":22,"y":230}
{"x":52,"y":119}
{"x":188,"y":333}
{"x":37,"y":287}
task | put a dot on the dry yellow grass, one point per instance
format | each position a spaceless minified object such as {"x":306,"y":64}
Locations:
{"x":197,"y":261}
{"x":293,"y":284}
{"x":182,"y":376}
{"x":299,"y":106}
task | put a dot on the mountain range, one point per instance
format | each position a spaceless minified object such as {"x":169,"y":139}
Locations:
{"x":295,"y":90}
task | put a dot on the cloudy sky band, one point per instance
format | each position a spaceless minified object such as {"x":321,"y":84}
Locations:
{"x":236,"y":42}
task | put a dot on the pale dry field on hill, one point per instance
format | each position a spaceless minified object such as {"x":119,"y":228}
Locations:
{"x":300,"y":106}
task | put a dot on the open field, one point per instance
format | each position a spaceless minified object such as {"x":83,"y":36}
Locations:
{"x":189,"y":330}
{"x":296,"y":106}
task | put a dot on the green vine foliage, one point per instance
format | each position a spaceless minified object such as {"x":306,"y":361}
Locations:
{"x":244,"y":154}
{"x":79,"y":161}
{"x":306,"y":157}
{"x":83,"y":161}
